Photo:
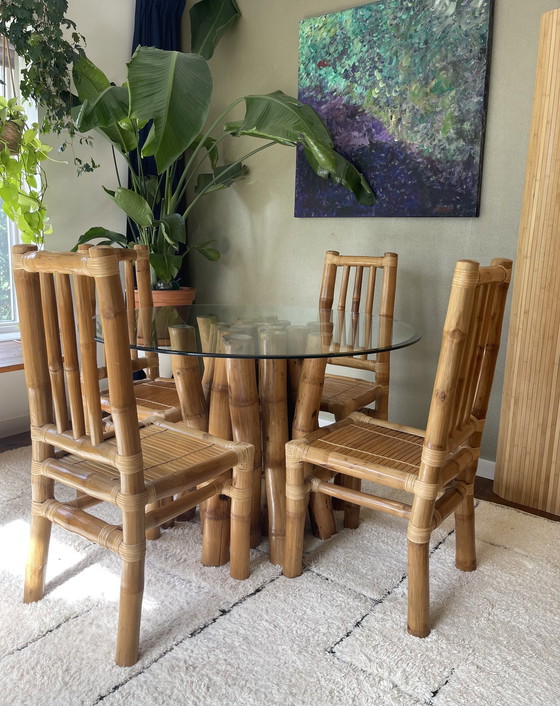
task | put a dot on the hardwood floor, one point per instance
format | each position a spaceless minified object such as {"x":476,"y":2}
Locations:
{"x":14,"y":442}
{"x":482,"y":489}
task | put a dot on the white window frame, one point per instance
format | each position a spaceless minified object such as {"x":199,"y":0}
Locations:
{"x":9,"y":330}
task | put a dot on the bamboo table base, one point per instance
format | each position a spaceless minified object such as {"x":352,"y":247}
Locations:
{"x":239,"y":409}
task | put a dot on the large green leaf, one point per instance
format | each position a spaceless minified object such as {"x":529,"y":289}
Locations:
{"x":283,"y":119}
{"x":174,"y":90}
{"x":165,"y":266}
{"x":135,"y":207}
{"x":99,"y":232}
{"x":173,"y":225}
{"x":89,"y":80}
{"x":104,"y":113}
{"x":347,"y":175}
{"x":209,"y":21}
{"x":105,"y":110}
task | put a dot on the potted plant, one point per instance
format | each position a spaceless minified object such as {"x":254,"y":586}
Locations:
{"x":22,"y":181}
{"x":171,"y":91}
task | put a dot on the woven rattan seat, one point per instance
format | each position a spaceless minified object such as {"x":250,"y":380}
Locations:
{"x":152,"y":396}
{"x":437,"y":466}
{"x":347,"y":393}
{"x":374,"y":444}
{"x":113,"y":459}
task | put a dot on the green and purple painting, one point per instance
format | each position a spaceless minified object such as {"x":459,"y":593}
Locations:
{"x":402,"y":87}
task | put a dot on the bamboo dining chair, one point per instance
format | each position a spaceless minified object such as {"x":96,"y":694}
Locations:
{"x":436,"y":466}
{"x":354,"y":290}
{"x":350,"y":281}
{"x":152,"y":393}
{"x":115,"y":459}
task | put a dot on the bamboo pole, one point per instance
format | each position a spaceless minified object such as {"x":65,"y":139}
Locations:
{"x":40,"y":411}
{"x":528,"y":456}
{"x":215,"y":513}
{"x":207,"y":333}
{"x":186,"y":373}
{"x":70,"y":353}
{"x":306,"y":419}
{"x":245,"y":413}
{"x":273,"y":396}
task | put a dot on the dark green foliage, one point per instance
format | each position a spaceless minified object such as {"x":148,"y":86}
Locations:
{"x":48,"y":43}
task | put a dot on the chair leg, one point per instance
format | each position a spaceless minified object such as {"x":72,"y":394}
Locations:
{"x":351,"y":510}
{"x":130,"y":612}
{"x":418,"y":589}
{"x":42,"y":489}
{"x":35,"y":570}
{"x":322,"y":517}
{"x":241,"y":504}
{"x":215,"y":515}
{"x":465,"y":549}
{"x":297,"y":497}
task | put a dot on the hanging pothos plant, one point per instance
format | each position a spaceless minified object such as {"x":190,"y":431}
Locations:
{"x":22,"y":181}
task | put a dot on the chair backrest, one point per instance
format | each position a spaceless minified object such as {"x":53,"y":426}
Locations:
{"x":469,"y":349}
{"x":349,"y":282}
{"x":135,"y":263}
{"x":56,"y":293}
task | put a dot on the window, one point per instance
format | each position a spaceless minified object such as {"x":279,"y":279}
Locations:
{"x":8,"y":232}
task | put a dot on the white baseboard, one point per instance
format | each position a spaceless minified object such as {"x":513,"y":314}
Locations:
{"x":8,"y":427}
{"x":486,"y":468}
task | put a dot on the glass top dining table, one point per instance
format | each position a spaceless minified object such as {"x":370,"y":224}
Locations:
{"x":264,"y":332}
{"x":255,"y":373}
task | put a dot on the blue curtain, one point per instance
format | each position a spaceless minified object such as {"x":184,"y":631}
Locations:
{"x":157,"y":23}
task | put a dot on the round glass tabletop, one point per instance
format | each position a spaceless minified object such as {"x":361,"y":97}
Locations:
{"x":262,"y":332}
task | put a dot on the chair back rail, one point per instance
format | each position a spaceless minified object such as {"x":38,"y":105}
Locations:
{"x":66,"y":340}
{"x":468,"y":354}
{"x":355,"y":292}
{"x":135,"y":264}
{"x":54,"y":352}
{"x":67,"y":326}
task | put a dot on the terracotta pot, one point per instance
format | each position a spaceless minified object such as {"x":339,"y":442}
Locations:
{"x":171,"y":297}
{"x":182,"y":297}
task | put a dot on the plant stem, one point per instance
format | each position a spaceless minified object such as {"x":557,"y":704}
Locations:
{"x":227,"y":169}
{"x":181,"y":186}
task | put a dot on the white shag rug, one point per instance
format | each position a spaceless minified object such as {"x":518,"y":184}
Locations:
{"x":335,"y":636}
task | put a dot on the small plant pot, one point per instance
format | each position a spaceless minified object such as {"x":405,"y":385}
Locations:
{"x":10,"y":136}
{"x":180,"y":298}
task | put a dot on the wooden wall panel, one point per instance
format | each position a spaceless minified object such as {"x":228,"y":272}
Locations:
{"x":528,"y":459}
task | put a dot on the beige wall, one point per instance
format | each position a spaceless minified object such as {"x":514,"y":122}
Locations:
{"x":73,"y":204}
{"x":268,"y":254}
{"x":76,"y":204}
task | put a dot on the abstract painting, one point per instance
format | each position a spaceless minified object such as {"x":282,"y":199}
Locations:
{"x":402,"y":87}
